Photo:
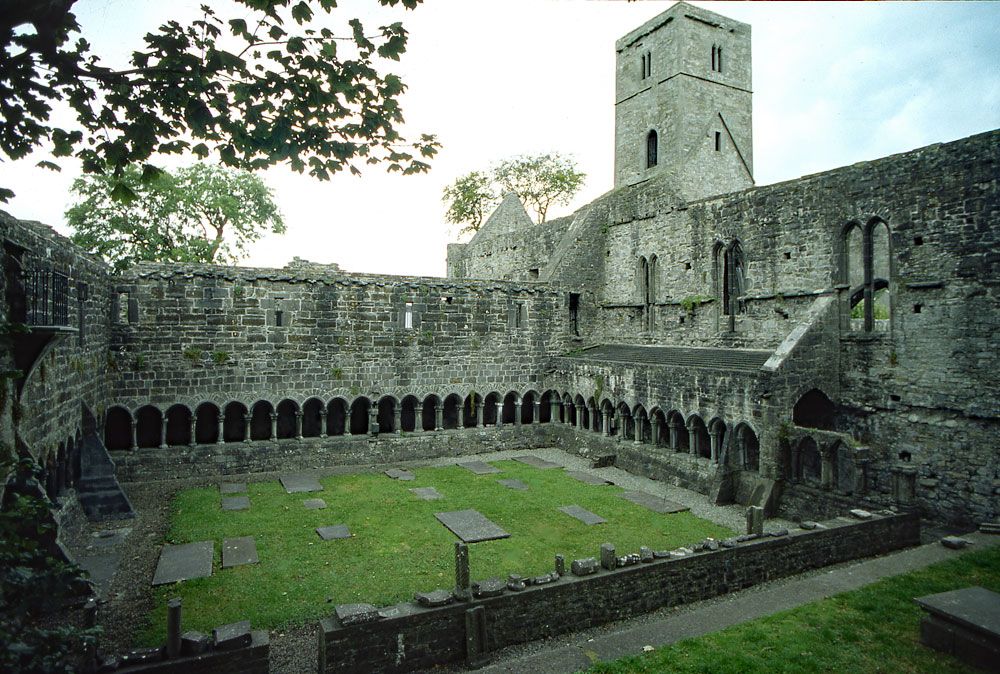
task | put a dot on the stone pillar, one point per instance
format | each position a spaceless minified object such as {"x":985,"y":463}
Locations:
{"x":163,"y":432}
{"x":463,"y":584}
{"x":655,"y":430}
{"x":418,"y":418}
{"x":606,"y":419}
{"x":637,"y":430}
{"x":397,"y":419}
{"x":716,"y":436}
{"x":479,"y":407}
{"x":373,"y":420}
{"x":904,"y":483}
{"x":438,"y":417}
{"x":174,"y":627}
{"x":222,"y":428}
{"x":579,"y":417}
{"x":246,"y":426}
{"x":274,"y":426}
{"x":298,"y":424}
{"x":555,"y":406}
{"x":862,"y":460}
{"x":194,"y":420}
{"x":675,"y":440}
{"x":536,"y":406}
{"x":499,"y":422}
{"x":517,"y":412}
{"x":692,"y":438}
{"x":755,"y":521}
{"x":133,"y":444}
{"x":321,"y":413}
{"x":826,"y":469}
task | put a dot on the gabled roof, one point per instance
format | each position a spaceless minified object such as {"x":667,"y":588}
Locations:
{"x":508,"y":217}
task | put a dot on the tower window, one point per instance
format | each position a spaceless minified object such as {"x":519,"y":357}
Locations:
{"x":717,"y":58}
{"x":649,"y":65}
{"x":642,"y":65}
{"x":718,"y":141}
{"x":408,"y":316}
{"x":651,"y":149}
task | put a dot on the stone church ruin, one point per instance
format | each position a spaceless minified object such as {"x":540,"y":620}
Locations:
{"x":808,"y":347}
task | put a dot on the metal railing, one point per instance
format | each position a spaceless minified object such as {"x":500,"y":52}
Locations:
{"x":46,"y":295}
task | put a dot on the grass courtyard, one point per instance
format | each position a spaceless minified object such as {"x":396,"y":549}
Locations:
{"x":397,"y":545}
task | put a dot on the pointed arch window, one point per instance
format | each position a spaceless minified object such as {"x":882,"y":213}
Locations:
{"x":716,"y":58}
{"x":651,"y":149}
{"x":865,"y":268}
{"x":730,"y":280}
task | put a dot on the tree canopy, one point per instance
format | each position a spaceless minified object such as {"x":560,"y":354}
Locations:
{"x":540,"y":181}
{"x":202,"y":213}
{"x":265,"y":88}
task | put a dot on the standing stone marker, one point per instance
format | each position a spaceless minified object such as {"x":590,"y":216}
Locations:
{"x":584,"y":516}
{"x":227,"y":488}
{"x":236,"y":503}
{"x":471,"y":526}
{"x":608,"y":560}
{"x":400,"y":474}
{"x":314,"y":503}
{"x":332,"y":532}
{"x":537,"y":462}
{"x":427,"y":493}
{"x":300,"y":482}
{"x":184,"y":562}
{"x":463,"y":579}
{"x":479,"y":467}
{"x":513,"y":484}
{"x":755,"y":521}
{"x":654,"y":503}
{"x":587,"y":478}
{"x":239,"y":551}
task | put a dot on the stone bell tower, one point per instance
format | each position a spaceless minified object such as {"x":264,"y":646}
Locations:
{"x":683,"y":102}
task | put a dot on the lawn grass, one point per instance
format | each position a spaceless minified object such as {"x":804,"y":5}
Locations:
{"x":871,"y":629}
{"x":398,"y":546}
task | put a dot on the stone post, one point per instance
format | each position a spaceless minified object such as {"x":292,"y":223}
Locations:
{"x":755,"y":521}
{"x":479,"y":407}
{"x":274,"y":426}
{"x":163,"y":432}
{"x":579,"y":417}
{"x":499,"y":421}
{"x":298,"y":424}
{"x":536,"y":406}
{"x":373,"y":420}
{"x":716,"y":436}
{"x":555,"y":408}
{"x":247,"y":418}
{"x":476,"y":647}
{"x":133,"y":444}
{"x":693,"y":438}
{"x":517,"y":412}
{"x":220,"y":438}
{"x":438,"y":417}
{"x":418,"y":418}
{"x":463,"y":585}
{"x":397,"y":419}
{"x":655,"y":430}
{"x":608,"y":556}
{"x":675,"y":440}
{"x":174,"y":627}
{"x":194,"y":421}
{"x":321,"y":413}
{"x":826,"y":469}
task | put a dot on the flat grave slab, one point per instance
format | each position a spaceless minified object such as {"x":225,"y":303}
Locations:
{"x":964,"y":623}
{"x":102,"y":570}
{"x":335,"y":531}
{"x":513,"y":484}
{"x":103,"y":540}
{"x":471,"y":526}
{"x":236,"y":503}
{"x":654,"y":503}
{"x":227,"y":488}
{"x":537,"y":462}
{"x":239,"y":551}
{"x":184,"y":562}
{"x":584,"y":516}
{"x":400,"y":474}
{"x":295,"y":484}
{"x":314,"y":503}
{"x":587,"y":478}
{"x":479,"y":467}
{"x":427,"y":493}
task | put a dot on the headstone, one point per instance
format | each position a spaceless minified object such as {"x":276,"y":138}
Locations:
{"x":194,"y":643}
{"x":954,"y":542}
{"x":184,"y":562}
{"x":479,"y":467}
{"x":227,"y":488}
{"x":537,"y":462}
{"x":491,"y":587}
{"x":560,"y":565}
{"x":471,"y":526}
{"x":587,"y":478}
{"x":427,"y":493}
{"x":655,"y":503}
{"x":583,"y":567}
{"x":234,"y":635}
{"x":300,"y":482}
{"x":513,"y":484}
{"x":400,"y":474}
{"x":755,"y":520}
{"x":236,"y":503}
{"x":174,"y":627}
{"x":435,"y":598}
{"x":314,"y":503}
{"x":239,"y":551}
{"x":608,"y":556}
{"x":584,"y":516}
{"x":335,"y":531}
{"x":356,"y":614}
{"x":463,"y":589}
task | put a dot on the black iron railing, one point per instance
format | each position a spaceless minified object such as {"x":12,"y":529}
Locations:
{"x":46,"y":295}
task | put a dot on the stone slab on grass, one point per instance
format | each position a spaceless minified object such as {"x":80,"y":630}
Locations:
{"x":471,"y":526}
{"x":184,"y":562}
{"x":332,"y":532}
{"x":584,"y":516}
{"x":537,"y":462}
{"x":400,"y":474}
{"x":295,"y":484}
{"x":975,"y":608}
{"x":239,"y":551}
{"x":479,"y":467}
{"x":236,"y":503}
{"x":314,"y":503}
{"x":227,"y":488}
{"x":654,"y":503}
{"x":513,"y":484}
{"x":427,"y":493}
{"x":587,"y":478}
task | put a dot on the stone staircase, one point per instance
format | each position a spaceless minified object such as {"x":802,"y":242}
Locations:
{"x":98,"y":491}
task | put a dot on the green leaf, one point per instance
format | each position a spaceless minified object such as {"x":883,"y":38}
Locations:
{"x":123,"y":193}
{"x":48,"y":165}
{"x":6,"y":195}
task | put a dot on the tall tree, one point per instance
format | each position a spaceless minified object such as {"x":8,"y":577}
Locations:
{"x":203,"y":213}
{"x":469,"y":199}
{"x":286,"y":91}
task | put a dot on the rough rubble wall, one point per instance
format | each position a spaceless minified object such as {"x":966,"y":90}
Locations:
{"x":509,"y":257}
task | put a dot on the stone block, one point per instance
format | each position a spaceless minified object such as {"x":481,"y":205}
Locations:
{"x":607,"y":556}
{"x":332,"y":532}
{"x":560,"y":565}
{"x":515,"y":583}
{"x":860,"y":514}
{"x":584,"y":567}
{"x":195,"y":643}
{"x":954,"y":542}
{"x":356,"y":614}
{"x":234,"y":635}
{"x":491,"y":587}
{"x":435,"y":598}
{"x":471,"y":526}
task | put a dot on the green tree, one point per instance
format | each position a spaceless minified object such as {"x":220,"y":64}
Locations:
{"x":540,"y":181}
{"x":202,"y":213}
{"x":286,"y":91}
{"x":470,"y":198}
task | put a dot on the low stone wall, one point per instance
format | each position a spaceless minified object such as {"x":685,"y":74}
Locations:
{"x":410,"y":637}
{"x":251,"y":659}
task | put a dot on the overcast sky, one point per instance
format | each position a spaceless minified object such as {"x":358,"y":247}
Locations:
{"x":834,"y":84}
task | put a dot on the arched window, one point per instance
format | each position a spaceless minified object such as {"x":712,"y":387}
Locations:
{"x":865,"y":268}
{"x":730,"y":280}
{"x":717,"y":58}
{"x":651,"y":146}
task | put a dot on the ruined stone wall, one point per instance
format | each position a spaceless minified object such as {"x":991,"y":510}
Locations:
{"x":515,"y":256}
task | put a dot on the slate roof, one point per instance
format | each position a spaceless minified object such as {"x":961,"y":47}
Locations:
{"x":745,"y":360}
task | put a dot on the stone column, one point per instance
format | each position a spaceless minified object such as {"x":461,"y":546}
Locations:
{"x":637,"y":429}
{"x":321,"y":413}
{"x":536,"y":407}
{"x":692,"y":438}
{"x":862,"y":460}
{"x":499,"y":422}
{"x":194,"y":421}
{"x":579,"y":416}
{"x":675,"y":440}
{"x":826,"y":469}
{"x":274,"y":426}
{"x":246,"y":426}
{"x":174,"y":627}
{"x":716,"y":436}
{"x":463,"y":585}
{"x":418,"y":418}
{"x":397,"y":419}
{"x":607,"y":415}
{"x":438,"y":417}
{"x":479,"y":407}
{"x":517,"y":412}
{"x":655,"y":430}
{"x":372,"y":419}
{"x":222,"y":428}
{"x":298,"y":424}
{"x":555,"y":406}
{"x":133,"y":444}
{"x":163,"y":432}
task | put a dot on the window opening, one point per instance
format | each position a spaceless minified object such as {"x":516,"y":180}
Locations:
{"x":520,"y":315}
{"x":718,"y":141}
{"x":408,"y":316}
{"x":643,"y":66}
{"x":81,"y":299}
{"x":574,"y":310}
{"x":279,"y":315}
{"x":649,"y":65}
{"x":651,"y":149}
{"x":918,"y":241}
{"x":123,"y":307}
{"x":717,"y":58}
